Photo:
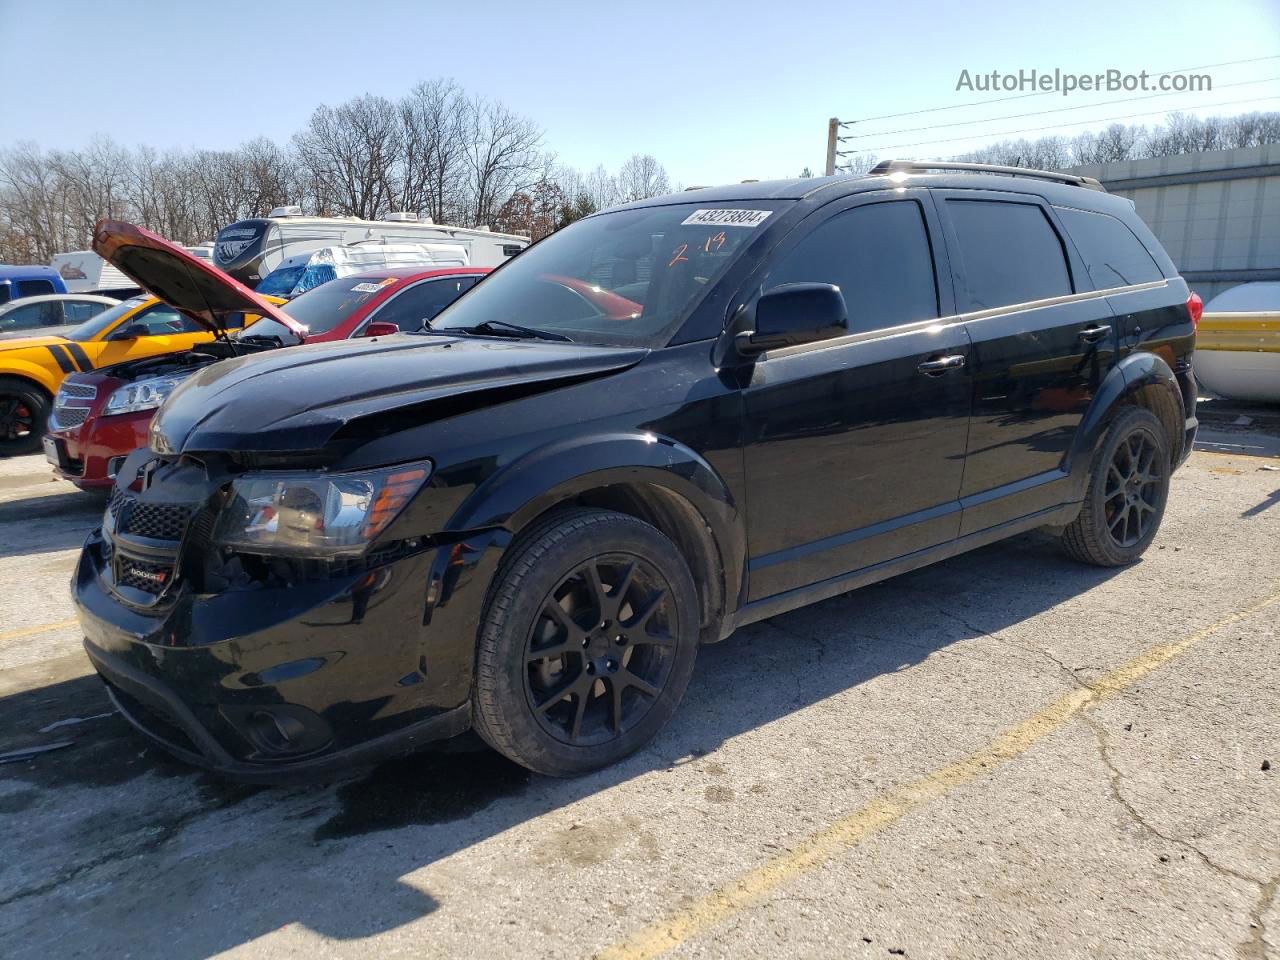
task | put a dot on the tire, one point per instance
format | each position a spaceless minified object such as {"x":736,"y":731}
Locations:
{"x":24,"y":411}
{"x":1127,"y":492}
{"x":575,"y":671}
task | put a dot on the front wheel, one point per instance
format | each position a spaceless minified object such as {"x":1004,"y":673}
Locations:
{"x":1128,"y":489}
{"x":24,"y":408}
{"x":587,"y":644}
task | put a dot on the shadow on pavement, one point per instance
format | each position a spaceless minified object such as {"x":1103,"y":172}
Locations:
{"x":330,"y":858}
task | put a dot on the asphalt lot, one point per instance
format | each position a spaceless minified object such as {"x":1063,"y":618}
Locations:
{"x":1004,"y":755}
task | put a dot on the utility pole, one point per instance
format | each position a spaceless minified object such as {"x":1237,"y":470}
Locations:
{"x":833,"y":130}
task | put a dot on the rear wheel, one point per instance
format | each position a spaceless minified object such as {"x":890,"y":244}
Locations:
{"x":24,"y":409}
{"x":1128,"y":489}
{"x":587,"y":645}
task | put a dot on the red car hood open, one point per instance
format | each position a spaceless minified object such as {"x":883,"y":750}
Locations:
{"x":185,"y":282}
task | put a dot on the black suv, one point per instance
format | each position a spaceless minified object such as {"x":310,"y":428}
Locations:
{"x":659,"y":424}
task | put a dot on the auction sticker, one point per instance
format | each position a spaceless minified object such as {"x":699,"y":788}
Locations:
{"x":366,"y":288}
{"x":725,"y":218}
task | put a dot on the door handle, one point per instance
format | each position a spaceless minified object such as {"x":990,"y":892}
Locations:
{"x":942,"y":364}
{"x":1094,"y":333}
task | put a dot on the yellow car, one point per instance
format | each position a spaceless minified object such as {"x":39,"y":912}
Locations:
{"x":31,"y":368}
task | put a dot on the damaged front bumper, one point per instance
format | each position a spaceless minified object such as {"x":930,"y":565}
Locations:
{"x":274,"y":683}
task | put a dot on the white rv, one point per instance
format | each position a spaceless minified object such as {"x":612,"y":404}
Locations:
{"x":250,"y":249}
{"x":303,"y":271}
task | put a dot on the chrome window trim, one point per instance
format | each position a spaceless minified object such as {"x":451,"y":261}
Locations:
{"x":971,"y":316}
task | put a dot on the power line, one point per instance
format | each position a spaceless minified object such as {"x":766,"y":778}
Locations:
{"x":1023,"y":96}
{"x":1052,"y":126}
{"x":1037,"y":113}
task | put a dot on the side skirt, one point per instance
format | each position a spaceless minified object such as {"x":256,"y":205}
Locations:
{"x":781,"y":603}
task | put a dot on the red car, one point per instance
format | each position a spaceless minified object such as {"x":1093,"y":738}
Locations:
{"x":100,"y":417}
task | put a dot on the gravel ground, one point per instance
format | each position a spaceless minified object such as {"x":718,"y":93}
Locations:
{"x":1004,"y":755}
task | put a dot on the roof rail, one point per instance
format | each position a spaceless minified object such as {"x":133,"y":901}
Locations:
{"x":922,"y":166}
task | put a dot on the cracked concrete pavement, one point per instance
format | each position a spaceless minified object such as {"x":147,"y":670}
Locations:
{"x":1139,"y":824}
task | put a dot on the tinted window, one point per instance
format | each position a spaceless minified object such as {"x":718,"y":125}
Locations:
{"x":31,"y":316}
{"x":160,"y":319}
{"x":1113,"y":256}
{"x":878,"y":255}
{"x":34,"y":288}
{"x":1010,"y":252}
{"x":78,"y":311}
{"x":422,"y":302}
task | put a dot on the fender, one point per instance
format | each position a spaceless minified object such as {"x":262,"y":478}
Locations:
{"x":11,"y":366}
{"x":548,"y":475}
{"x":1133,"y":374}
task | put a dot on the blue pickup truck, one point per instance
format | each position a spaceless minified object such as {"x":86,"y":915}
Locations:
{"x":28,"y":281}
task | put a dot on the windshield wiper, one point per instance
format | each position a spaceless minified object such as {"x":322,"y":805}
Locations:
{"x":493,"y":326}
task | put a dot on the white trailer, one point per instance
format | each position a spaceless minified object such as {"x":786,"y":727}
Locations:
{"x":83,"y":271}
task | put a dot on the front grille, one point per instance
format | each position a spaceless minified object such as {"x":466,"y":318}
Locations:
{"x":157,"y":521}
{"x":71,"y":405}
{"x":150,"y":578}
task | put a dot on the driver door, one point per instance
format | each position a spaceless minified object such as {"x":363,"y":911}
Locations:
{"x":854,"y":447}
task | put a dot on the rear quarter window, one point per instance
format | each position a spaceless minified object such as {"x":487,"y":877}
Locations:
{"x":1112,"y":254}
{"x":1010,"y":252}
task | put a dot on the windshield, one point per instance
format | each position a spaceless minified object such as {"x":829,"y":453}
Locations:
{"x":94,"y":326}
{"x":624,"y":278}
{"x":322,"y":309}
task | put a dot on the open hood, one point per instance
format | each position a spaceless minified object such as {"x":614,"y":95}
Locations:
{"x":184,"y":281}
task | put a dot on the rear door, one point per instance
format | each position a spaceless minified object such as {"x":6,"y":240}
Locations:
{"x":1042,"y":342}
{"x":854,"y":447}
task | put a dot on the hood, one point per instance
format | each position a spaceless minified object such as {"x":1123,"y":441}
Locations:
{"x":179,"y":278}
{"x":15,"y":341}
{"x":298,"y":399}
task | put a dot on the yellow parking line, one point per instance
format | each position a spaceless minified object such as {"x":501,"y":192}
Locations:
{"x":32,"y":631}
{"x":849,"y":831}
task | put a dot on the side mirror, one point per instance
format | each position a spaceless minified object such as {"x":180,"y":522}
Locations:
{"x":380,"y":329}
{"x":792,"y":314}
{"x":132,"y":332}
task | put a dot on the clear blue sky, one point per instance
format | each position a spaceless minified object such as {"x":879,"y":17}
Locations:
{"x":718,"y":91}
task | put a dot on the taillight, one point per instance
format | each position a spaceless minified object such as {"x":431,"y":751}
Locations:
{"x":1195,"y":307}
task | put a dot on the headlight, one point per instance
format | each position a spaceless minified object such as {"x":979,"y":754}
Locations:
{"x":143,"y":395}
{"x":314,"y":514}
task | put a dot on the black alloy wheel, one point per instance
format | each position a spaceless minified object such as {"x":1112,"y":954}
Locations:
{"x":587,"y":643}
{"x":600,"y":650}
{"x":1127,"y":492}
{"x":1132,"y":493}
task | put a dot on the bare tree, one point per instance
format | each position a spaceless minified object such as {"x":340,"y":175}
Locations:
{"x":502,"y":151}
{"x":351,"y":153}
{"x":642,"y":177}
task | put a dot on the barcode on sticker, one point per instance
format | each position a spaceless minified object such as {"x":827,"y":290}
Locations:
{"x":725,"y":218}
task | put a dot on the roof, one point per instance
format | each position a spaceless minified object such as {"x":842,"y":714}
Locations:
{"x":33,"y":270}
{"x":414,"y":273}
{"x":47,"y":297}
{"x":802,"y":187}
